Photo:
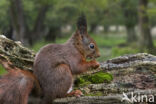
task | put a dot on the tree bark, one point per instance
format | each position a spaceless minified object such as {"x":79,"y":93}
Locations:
{"x":146,"y":41}
{"x":106,"y":28}
{"x":93,"y":27}
{"x":38,"y":29}
{"x":131,"y":73}
{"x":52,"y":33}
{"x":130,"y":19}
{"x":131,"y":34}
{"x":115,"y":99}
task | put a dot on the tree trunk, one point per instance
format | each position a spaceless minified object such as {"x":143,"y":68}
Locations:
{"x":145,"y":41}
{"x":20,"y":30}
{"x":52,"y":33}
{"x":93,"y":28}
{"x":106,"y":28}
{"x":131,"y":34}
{"x":38,"y":30}
{"x":129,"y":9}
{"x":9,"y":32}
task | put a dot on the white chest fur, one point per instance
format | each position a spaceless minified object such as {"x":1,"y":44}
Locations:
{"x":70,"y":89}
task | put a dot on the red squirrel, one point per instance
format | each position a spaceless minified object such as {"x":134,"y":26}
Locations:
{"x":56,"y":64}
{"x":53,"y":69}
{"x":16,"y":86}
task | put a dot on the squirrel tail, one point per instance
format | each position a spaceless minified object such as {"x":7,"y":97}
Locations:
{"x":15,"y":87}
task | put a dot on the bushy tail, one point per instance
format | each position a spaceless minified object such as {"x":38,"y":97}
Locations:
{"x":15,"y":87}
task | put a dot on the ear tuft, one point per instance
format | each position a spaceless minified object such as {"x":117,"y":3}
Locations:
{"x":82,"y":24}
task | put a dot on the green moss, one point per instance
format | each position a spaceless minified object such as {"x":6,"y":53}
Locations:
{"x":98,"y":93}
{"x":91,"y":94}
{"x":81,"y":82}
{"x":100,"y":77}
{"x":95,"y":94}
{"x":2,"y":70}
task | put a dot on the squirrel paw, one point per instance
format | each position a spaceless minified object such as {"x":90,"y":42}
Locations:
{"x":95,"y":64}
{"x":76,"y":93}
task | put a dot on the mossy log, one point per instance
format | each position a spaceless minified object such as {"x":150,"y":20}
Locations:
{"x":129,"y":72}
{"x":16,"y":54}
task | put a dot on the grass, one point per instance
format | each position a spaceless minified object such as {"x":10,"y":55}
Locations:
{"x":116,"y":51}
{"x":109,"y":40}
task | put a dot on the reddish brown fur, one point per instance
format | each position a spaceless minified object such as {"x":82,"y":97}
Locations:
{"x":15,"y":87}
{"x":55,"y":64}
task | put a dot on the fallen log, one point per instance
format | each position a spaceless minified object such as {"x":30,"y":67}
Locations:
{"x":110,"y":99}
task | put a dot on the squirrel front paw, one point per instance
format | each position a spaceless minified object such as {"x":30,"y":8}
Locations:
{"x":95,"y":64}
{"x":76,"y":93}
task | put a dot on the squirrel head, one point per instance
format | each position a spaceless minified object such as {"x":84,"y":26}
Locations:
{"x":85,"y":44}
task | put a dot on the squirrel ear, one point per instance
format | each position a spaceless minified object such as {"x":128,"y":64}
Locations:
{"x":82,"y":24}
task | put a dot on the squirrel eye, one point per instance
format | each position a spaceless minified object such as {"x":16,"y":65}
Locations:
{"x":91,"y":45}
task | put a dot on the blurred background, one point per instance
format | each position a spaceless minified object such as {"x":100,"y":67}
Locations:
{"x":118,"y":26}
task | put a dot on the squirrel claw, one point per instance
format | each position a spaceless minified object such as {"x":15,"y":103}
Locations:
{"x":76,"y":93}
